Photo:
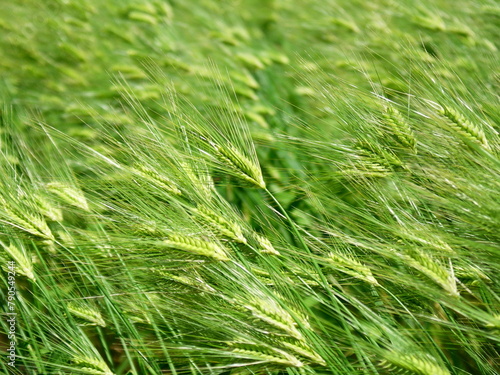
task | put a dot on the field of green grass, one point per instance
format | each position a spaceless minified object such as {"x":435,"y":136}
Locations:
{"x":250,"y":187}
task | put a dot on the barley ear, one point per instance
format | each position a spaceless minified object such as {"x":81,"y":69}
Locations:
{"x":268,"y":311}
{"x":377,"y":154}
{"x":87,"y":313}
{"x":153,"y":176}
{"x":433,"y":269}
{"x":24,"y":265}
{"x":69,"y":194}
{"x":193,"y":281}
{"x":200,"y":178}
{"x":494,"y":321}
{"x":27,"y":222}
{"x":265,"y":246}
{"x":225,"y":227}
{"x":366,"y":168}
{"x":196,"y":246}
{"x":421,"y":364}
{"x":352,"y":267}
{"x":48,"y":210}
{"x":234,"y":161}
{"x":305,"y":351}
{"x":400,"y":127}
{"x":92,"y":365}
{"x":463,"y":126}
{"x":264,"y":353}
{"x":242,"y":166}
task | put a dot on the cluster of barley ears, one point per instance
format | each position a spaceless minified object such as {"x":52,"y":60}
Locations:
{"x":319,"y":196}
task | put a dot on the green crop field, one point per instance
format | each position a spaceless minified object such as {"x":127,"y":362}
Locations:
{"x":250,"y":187}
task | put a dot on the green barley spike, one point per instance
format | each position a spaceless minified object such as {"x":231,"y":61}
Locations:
{"x":196,"y":246}
{"x":400,"y":127}
{"x":24,"y":265}
{"x":159,"y":180}
{"x":264,"y":353}
{"x":464,"y":126}
{"x":226,"y":228}
{"x":244,"y":168}
{"x":265,"y":246}
{"x":92,"y":365}
{"x":48,"y":210}
{"x":271,"y":313}
{"x":378,"y":155}
{"x":352,"y":267}
{"x":305,"y":351}
{"x":422,"y":364}
{"x":27,"y":221}
{"x":85,"y":312}
{"x":433,"y":269}
{"x":69,"y":194}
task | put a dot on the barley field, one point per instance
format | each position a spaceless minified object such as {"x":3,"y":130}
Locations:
{"x":250,"y":187}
